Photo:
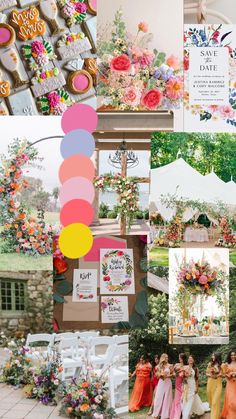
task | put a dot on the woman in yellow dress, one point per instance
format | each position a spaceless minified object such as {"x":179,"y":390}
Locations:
{"x":214,"y":384}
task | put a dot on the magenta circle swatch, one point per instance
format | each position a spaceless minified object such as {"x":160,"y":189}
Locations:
{"x":79,"y":116}
{"x":76,"y":211}
{"x":76,"y":188}
{"x":78,"y":141}
{"x":77,"y":165}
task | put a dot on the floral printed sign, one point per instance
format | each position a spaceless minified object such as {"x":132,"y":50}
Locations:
{"x":85,"y":285}
{"x":210,"y":77}
{"x":117,"y":271}
{"x":114,"y":309}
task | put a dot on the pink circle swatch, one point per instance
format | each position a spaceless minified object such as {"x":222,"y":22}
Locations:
{"x":77,"y":165}
{"x":76,"y":211}
{"x":79,"y":116}
{"x":76,"y":188}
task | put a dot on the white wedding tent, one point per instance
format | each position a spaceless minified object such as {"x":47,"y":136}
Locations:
{"x":179,"y":179}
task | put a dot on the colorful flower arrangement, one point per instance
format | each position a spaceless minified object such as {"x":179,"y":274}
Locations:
{"x":211,"y":36}
{"x":127,"y":190}
{"x":228,"y":239}
{"x":173,"y":236}
{"x":55,"y":103}
{"x":15,"y":370}
{"x":68,"y":39}
{"x":75,"y":11}
{"x":41,"y":76}
{"x":87,"y":399}
{"x":128,"y":270}
{"x":38,"y":54}
{"x":200,"y":278}
{"x":133,"y":77}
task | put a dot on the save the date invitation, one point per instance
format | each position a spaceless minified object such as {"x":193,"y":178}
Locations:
{"x":210,"y":78}
{"x":117,"y":271}
{"x":114,"y":309}
{"x":85,"y":284}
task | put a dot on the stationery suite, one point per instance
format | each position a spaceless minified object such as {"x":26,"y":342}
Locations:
{"x":114,"y":309}
{"x":85,"y":285}
{"x":117,"y":271}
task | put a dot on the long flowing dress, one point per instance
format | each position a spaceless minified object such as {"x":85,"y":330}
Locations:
{"x":192,"y":403}
{"x":214,"y":390}
{"x":155,"y":379}
{"x":176,"y":408}
{"x":163,"y":397}
{"x":142,"y":392}
{"x":229,"y":409}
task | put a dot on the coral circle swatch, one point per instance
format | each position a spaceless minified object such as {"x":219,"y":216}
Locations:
{"x":77,"y":211}
{"x":77,"y":165}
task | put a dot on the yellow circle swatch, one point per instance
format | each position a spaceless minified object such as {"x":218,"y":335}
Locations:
{"x":75,"y":240}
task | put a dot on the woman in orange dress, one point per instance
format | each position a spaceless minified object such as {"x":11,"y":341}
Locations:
{"x":142,"y":392}
{"x":229,"y":409}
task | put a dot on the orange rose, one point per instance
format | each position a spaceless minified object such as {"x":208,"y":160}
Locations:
{"x":19,"y":234}
{"x":36,"y":245}
{"x":84,"y":407}
{"x":41,"y":250}
{"x":31,"y":231}
{"x":85,"y":385}
{"x":2,"y":189}
{"x":69,"y":409}
{"x":22,"y":216}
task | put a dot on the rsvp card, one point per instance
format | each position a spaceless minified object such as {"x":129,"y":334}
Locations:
{"x":114,"y":309}
{"x":85,"y":284}
{"x":117,"y":271}
{"x":210,"y":78}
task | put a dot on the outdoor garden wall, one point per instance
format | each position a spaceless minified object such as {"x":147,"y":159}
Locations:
{"x":25,"y":302}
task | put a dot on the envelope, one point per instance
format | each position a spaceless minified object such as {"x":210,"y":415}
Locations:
{"x":80,"y":312}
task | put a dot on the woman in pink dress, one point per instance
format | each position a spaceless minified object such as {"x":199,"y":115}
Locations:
{"x":155,"y":380}
{"x":179,"y":372}
{"x":163,"y":395}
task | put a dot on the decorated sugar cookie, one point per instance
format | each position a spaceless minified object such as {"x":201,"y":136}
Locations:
{"x":7,"y":4}
{"x":74,"y":11}
{"x":10,"y":61}
{"x":49,"y":11}
{"x":72,"y":45}
{"x":90,"y":64}
{"x":55,"y":103}
{"x":7,"y":35}
{"x":90,"y":28}
{"x":3,"y":109}
{"x":76,"y":64}
{"x":38,"y":54}
{"x":92,"y":6}
{"x":46,"y":81}
{"x":80,"y":81}
{"x":5,"y":88}
{"x":27,"y":23}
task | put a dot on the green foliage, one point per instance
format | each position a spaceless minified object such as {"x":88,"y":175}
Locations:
{"x":112,"y":215}
{"x":103,"y":210}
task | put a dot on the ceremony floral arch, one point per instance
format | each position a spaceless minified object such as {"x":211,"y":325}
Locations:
{"x":21,"y":233}
{"x":127,"y":190}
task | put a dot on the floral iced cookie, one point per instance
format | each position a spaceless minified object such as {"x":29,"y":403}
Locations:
{"x":38,"y":54}
{"x":80,"y":82}
{"x":92,"y":6}
{"x":47,"y":81}
{"x":90,"y":28}
{"x":49,"y":11}
{"x":7,"y":35}
{"x":74,"y":11}
{"x":27,"y":23}
{"x":22,"y":103}
{"x":55,"y":103}
{"x":7,"y":4}
{"x":72,"y":45}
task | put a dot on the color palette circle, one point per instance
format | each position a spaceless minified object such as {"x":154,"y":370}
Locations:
{"x":77,"y":165}
{"x":78,"y":141}
{"x":76,"y":211}
{"x":76,"y":188}
{"x":75,"y":240}
{"x":79,"y":116}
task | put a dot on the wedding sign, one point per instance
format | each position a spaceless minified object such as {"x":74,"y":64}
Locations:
{"x":210,"y":78}
{"x":114,"y":309}
{"x":85,"y":285}
{"x":117,"y":271}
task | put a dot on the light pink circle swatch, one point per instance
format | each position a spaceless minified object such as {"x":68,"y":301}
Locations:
{"x":79,"y":116}
{"x":77,"y":211}
{"x":76,"y":188}
{"x":77,"y":165}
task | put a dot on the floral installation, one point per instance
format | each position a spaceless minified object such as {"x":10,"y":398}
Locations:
{"x":55,"y":103}
{"x":75,"y":11}
{"x":21,"y":232}
{"x":38,"y":54}
{"x":15,"y":370}
{"x":127,"y":190}
{"x":228,"y":239}
{"x":41,"y":76}
{"x":212,"y":36}
{"x":173,"y":237}
{"x":128,"y":270}
{"x":200,"y":278}
{"x":134,"y":77}
{"x":68,"y":39}
{"x":109,"y":301}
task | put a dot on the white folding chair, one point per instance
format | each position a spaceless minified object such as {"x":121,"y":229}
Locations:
{"x":118,"y":376}
{"x":99,"y":349}
{"x":68,"y":335}
{"x":72,"y":362}
{"x":88,"y":334}
{"x":120,"y":339}
{"x":37,"y":341}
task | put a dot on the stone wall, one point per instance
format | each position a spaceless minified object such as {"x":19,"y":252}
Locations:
{"x":38,"y":315}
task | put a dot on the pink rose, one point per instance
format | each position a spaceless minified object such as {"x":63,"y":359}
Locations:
{"x":38,"y":48}
{"x":226,"y":112}
{"x":54,"y":99}
{"x":203,"y":279}
{"x":131,"y":96}
{"x":174,"y":88}
{"x":81,"y":8}
{"x":121,"y":63}
{"x":146,"y":59}
{"x":173,"y":62}
{"x":69,"y":39}
{"x":43,"y":76}
{"x":151,"y":99}
{"x":143,"y":27}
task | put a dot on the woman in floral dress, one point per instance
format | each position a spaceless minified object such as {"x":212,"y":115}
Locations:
{"x":214,"y":384}
{"x":142,"y":392}
{"x":229,"y":409}
{"x":163,"y":395}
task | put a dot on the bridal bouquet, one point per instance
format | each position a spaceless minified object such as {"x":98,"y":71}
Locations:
{"x":131,"y":76}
